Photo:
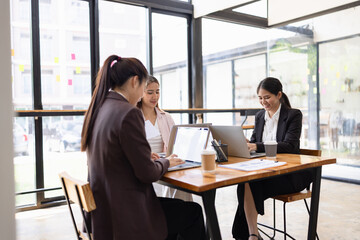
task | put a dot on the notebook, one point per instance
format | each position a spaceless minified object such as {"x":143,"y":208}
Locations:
{"x":187,"y":141}
{"x":234,"y":137}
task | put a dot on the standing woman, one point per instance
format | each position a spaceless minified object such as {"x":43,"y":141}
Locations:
{"x":121,"y":170}
{"x":162,"y":123}
{"x":277,"y":122}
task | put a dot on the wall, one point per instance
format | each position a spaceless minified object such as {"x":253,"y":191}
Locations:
{"x":337,"y":25}
{"x":7,"y":199}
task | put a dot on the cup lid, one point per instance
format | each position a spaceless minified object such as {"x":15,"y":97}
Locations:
{"x":270,"y":143}
{"x":208,"y":152}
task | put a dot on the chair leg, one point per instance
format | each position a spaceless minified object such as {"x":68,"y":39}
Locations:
{"x":284,"y":209}
{"x":274,"y":213}
{"x":308,"y":210}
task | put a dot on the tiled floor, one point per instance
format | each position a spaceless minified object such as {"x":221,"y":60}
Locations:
{"x":339,"y":216}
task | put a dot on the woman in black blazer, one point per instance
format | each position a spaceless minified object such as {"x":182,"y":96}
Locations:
{"x":277,"y":122}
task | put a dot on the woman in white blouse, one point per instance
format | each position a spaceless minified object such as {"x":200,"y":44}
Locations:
{"x":277,"y":122}
{"x":158,"y":124}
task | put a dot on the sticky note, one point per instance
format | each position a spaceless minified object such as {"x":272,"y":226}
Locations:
{"x":314,"y":78}
{"x":323,"y":91}
{"x":21,"y":68}
{"x":337,"y":74}
{"x":326,"y":81}
{"x":334,"y":83}
{"x":73,"y":56}
{"x":343,"y":87}
{"x":12,"y":52}
{"x":308,"y":71}
{"x":78,"y":70}
{"x":332,"y":67}
{"x":315,"y":90}
{"x":319,"y":70}
{"x":345,"y":68}
{"x":69,"y":82}
{"x":56,"y":60}
{"x":58,"y":78}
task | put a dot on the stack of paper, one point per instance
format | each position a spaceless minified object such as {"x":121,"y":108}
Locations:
{"x":253,"y":165}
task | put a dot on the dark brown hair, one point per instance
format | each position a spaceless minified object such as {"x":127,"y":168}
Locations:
{"x":274,"y":86}
{"x":114,"y":73}
{"x":150,"y":80}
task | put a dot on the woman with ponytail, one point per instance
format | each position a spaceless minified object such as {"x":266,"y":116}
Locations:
{"x":121,"y":170}
{"x":277,"y":122}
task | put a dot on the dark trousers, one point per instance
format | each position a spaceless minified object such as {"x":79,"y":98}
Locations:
{"x":184,"y":219}
{"x":264,"y":189}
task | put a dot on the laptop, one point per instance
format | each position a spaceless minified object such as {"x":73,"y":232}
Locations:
{"x":234,"y":137}
{"x":187,"y":141}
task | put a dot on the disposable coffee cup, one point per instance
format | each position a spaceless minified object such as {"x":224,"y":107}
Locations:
{"x":208,"y":161}
{"x":270,"y":149}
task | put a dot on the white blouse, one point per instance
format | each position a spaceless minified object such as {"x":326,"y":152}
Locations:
{"x":156,"y":143}
{"x":270,"y":127}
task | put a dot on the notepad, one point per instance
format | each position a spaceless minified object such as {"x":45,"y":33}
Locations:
{"x":254,"y":165}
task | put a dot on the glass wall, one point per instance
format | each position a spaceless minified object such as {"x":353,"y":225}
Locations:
{"x":66,"y":80}
{"x":21,"y":54}
{"x":122,"y":30}
{"x":234,"y":68}
{"x":339,"y":73}
{"x":23,"y":129}
{"x":170,"y":58}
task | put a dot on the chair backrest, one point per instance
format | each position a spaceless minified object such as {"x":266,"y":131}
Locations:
{"x":311,"y":152}
{"x":79,"y":192}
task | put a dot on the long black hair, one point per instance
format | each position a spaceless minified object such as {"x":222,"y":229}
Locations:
{"x":274,"y":86}
{"x":115,"y":72}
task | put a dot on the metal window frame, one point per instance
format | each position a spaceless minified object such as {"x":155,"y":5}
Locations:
{"x":176,"y":8}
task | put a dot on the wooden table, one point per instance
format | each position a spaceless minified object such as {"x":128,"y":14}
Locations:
{"x":193,"y":181}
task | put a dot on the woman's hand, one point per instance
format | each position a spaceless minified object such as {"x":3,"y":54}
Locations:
{"x":252,"y":147}
{"x":154,"y":156}
{"x":174,"y":160}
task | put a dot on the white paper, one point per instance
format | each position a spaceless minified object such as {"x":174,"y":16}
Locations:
{"x":254,"y":165}
{"x":150,"y":130}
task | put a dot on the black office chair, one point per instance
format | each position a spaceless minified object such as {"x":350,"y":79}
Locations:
{"x":286,"y":198}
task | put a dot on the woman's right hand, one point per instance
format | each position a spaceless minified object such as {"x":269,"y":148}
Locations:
{"x":174,"y":160}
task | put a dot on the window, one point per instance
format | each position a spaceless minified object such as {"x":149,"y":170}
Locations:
{"x":65,"y":45}
{"x":339,"y":94}
{"x":170,"y":62}
{"x":122,"y":31}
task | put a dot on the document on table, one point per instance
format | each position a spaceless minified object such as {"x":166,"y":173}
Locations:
{"x":253,"y":165}
{"x":150,"y":130}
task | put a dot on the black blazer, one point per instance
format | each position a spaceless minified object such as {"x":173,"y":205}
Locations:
{"x":288,"y":131}
{"x":288,"y":139}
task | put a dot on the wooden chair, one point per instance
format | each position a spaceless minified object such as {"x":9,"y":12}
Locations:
{"x":286,"y":198}
{"x":78,"y":192}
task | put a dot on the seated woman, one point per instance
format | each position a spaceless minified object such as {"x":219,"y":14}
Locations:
{"x":160,"y":122}
{"x":121,"y":171}
{"x":277,"y":122}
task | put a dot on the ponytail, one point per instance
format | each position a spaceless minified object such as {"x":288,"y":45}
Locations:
{"x":114,"y":73}
{"x":285,"y":100}
{"x":274,"y":86}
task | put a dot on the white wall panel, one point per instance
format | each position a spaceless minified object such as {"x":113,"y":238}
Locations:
{"x":204,"y":7}
{"x":285,"y":10}
{"x":337,"y":25}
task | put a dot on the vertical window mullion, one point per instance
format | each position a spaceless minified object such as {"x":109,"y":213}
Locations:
{"x":36,"y":76}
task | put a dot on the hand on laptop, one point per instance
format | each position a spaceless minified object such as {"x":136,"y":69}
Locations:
{"x":174,"y":160}
{"x":252,"y":147}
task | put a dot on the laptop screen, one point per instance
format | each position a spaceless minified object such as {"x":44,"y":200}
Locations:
{"x":189,"y":142}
